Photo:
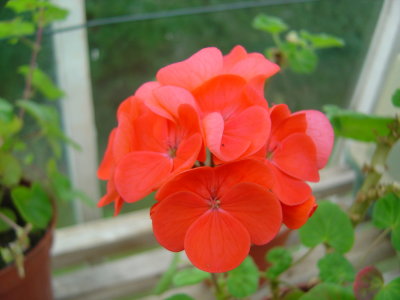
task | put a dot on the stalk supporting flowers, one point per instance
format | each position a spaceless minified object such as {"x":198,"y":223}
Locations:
{"x":261,"y":157}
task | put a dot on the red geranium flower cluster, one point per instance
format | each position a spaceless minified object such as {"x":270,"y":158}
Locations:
{"x":261,"y":157}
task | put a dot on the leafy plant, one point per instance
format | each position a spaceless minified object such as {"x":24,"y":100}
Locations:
{"x":29,"y":132}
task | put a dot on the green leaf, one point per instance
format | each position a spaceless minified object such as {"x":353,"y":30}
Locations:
{"x":396,"y":98}
{"x":180,"y":297}
{"x":390,"y":291}
{"x":281,"y":259}
{"x":243,"y":281}
{"x":189,"y":277}
{"x":322,"y":40}
{"x":328,"y":224}
{"x":5,"y":107}
{"x":294,"y":294}
{"x":10,"y":169}
{"x":42,"y":83}
{"x":20,"y":6}
{"x":368,"y":283}
{"x":302,"y":60}
{"x":335,"y":268}
{"x":269,"y":24}
{"x":8,"y":213}
{"x":15,"y":28}
{"x":33,"y":204}
{"x":386,"y":214}
{"x":47,"y":118}
{"x":328,"y":291}
{"x":355,"y":125}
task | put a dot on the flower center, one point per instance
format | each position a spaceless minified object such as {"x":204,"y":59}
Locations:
{"x":172,"y":152}
{"x":215,"y":203}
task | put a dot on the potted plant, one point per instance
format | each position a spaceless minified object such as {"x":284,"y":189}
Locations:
{"x":31,"y":146}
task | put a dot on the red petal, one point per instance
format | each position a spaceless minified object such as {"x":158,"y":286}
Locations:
{"x":256,"y":208}
{"x":213,"y":128}
{"x":107,"y":164}
{"x":139,"y":173}
{"x":278,"y":114}
{"x":197,"y":181}
{"x":289,"y":190}
{"x":193,"y":71}
{"x":237,"y":54}
{"x":248,"y":170}
{"x":221,"y":94}
{"x":251,"y":127}
{"x":296,"y":216}
{"x":167,"y":99}
{"x":187,"y":153}
{"x":173,"y":216}
{"x":320,"y":130}
{"x":217,"y":242}
{"x":296,"y":156}
{"x":255,"y":64}
{"x":291,"y":125}
{"x":110,"y":196}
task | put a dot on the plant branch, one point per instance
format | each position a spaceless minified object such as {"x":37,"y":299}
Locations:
{"x":370,"y":190}
{"x":9,"y":222}
{"x":28,"y":90}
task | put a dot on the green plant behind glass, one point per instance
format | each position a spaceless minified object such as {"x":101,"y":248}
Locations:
{"x":31,"y":139}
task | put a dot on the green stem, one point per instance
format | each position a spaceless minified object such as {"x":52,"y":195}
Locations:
{"x":375,"y":242}
{"x":165,"y":282}
{"x":9,"y":222}
{"x":369,"y":191}
{"x":218,"y":289}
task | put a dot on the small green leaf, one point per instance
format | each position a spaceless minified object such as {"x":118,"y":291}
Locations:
{"x":355,"y":125}
{"x":42,"y":83}
{"x":322,"y":40}
{"x":15,"y":28}
{"x":189,"y":277}
{"x":328,"y":224}
{"x":10,"y":169}
{"x":328,"y":291}
{"x":390,"y":291}
{"x":243,"y":281}
{"x":8,"y":213}
{"x":20,"y":6}
{"x":367,"y":283}
{"x":269,"y":24}
{"x":302,"y":60}
{"x":335,"y":268}
{"x":396,"y":98}
{"x":281,"y":259}
{"x":180,"y":297}
{"x":386,"y":214}
{"x":33,"y":204}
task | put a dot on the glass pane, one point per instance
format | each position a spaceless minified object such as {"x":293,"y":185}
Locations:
{"x":125,"y":55}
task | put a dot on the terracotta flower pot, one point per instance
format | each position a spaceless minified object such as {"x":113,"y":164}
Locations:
{"x":36,"y":285}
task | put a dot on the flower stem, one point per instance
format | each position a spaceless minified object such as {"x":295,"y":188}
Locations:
{"x":370,"y":191}
{"x":219,"y":291}
{"x":9,"y":222}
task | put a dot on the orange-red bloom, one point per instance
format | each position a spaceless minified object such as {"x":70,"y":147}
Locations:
{"x":215,"y":214}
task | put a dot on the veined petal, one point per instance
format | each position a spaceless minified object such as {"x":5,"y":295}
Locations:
{"x":320,"y":130}
{"x":213,"y":129}
{"x":217,"y":242}
{"x":256,"y":208}
{"x":199,"y":181}
{"x":173,"y":216}
{"x":290,"y":191}
{"x":237,"y":54}
{"x":193,"y":71}
{"x":278,"y":114}
{"x":296,"y":216}
{"x":145,"y":91}
{"x":140,"y":172}
{"x":291,"y":125}
{"x":296,"y":156}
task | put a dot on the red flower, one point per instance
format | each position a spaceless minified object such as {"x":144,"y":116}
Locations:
{"x":146,"y":149}
{"x":299,"y":145}
{"x":216,"y":213}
